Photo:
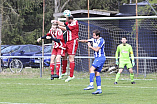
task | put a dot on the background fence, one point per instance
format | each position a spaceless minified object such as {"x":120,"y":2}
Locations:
{"x":112,"y":30}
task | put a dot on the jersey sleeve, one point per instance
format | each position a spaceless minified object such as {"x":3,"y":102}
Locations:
{"x":131,"y":53}
{"x":66,"y":23}
{"x":101,"y":43}
{"x":90,"y":40}
{"x":117,"y":52}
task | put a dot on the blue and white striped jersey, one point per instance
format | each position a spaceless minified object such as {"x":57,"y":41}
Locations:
{"x":98,"y":43}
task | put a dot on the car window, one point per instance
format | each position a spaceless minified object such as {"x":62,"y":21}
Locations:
{"x":10,"y":49}
{"x":34,"y":48}
{"x":47,"y":49}
{"x":26,"y":49}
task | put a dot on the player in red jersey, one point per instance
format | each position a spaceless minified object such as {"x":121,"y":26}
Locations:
{"x":56,"y":35}
{"x":72,"y":28}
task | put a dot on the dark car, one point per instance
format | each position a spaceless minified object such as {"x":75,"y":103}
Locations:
{"x":19,"y":50}
{"x":35,"y":62}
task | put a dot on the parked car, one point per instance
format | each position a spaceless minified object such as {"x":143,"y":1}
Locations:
{"x":19,"y":50}
{"x":35,"y":62}
{"x":4,"y":46}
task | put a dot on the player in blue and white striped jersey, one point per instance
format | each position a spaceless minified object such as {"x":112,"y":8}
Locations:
{"x":98,"y":47}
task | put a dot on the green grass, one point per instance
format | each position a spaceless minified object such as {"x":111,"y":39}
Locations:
{"x":30,"y":88}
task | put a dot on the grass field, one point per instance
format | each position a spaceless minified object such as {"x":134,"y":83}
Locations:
{"x":29,"y":88}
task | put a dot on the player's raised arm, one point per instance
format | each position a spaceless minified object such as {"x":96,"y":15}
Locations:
{"x":83,"y":41}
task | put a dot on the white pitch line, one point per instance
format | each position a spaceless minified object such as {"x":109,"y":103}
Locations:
{"x":79,"y":85}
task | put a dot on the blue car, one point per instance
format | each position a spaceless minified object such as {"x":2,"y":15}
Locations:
{"x":4,"y":46}
{"x":35,"y":62}
{"x":19,"y":50}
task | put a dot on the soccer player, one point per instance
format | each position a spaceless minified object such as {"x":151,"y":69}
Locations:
{"x":56,"y":35}
{"x":125,"y":50}
{"x":72,"y":28}
{"x":98,"y":47}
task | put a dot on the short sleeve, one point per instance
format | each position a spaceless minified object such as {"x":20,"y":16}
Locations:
{"x":66,"y":23}
{"x":91,"y":40}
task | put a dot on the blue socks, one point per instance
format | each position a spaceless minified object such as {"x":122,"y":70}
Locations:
{"x":98,"y":82}
{"x":92,"y":75}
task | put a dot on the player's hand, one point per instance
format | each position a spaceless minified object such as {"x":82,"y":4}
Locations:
{"x":89,"y":44}
{"x":117,"y":62}
{"x":133,"y":63}
{"x":38,"y":40}
{"x":77,"y":40}
{"x":48,"y":37}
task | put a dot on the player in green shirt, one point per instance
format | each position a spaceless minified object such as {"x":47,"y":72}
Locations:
{"x":124,"y":51}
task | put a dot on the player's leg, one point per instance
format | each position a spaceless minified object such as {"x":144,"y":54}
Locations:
{"x":71,"y":49}
{"x":72,"y":66}
{"x":64,"y":64}
{"x":99,"y":64}
{"x":52,"y":65}
{"x":58,"y":64}
{"x":129,"y":66}
{"x":91,"y":78}
{"x":121,"y":67}
{"x":98,"y":82}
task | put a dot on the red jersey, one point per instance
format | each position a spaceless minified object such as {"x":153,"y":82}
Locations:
{"x":72,"y":34}
{"x":58,"y":34}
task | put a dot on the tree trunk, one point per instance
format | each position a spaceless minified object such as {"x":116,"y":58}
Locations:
{"x":57,"y":5}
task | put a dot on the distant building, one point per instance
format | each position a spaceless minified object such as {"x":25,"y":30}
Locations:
{"x":92,"y":13}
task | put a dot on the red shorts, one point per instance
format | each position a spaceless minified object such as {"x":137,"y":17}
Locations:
{"x":71,"y":47}
{"x":58,"y":51}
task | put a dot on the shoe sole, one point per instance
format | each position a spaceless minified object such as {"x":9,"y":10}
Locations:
{"x":89,"y":89}
{"x":97,"y":93}
{"x":70,"y":79}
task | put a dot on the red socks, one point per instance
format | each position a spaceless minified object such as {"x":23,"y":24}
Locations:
{"x":72,"y":66}
{"x":52,"y":65}
{"x":64,"y":65}
{"x":57,"y":67}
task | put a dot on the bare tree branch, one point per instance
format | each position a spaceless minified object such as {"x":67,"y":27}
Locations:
{"x":14,"y":12}
{"x":64,"y":5}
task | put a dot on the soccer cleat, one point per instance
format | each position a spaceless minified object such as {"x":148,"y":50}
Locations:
{"x":55,"y":76}
{"x":133,"y":83}
{"x":115,"y":82}
{"x":63,"y":74}
{"x":89,"y":87}
{"x":52,"y":77}
{"x":69,"y":79}
{"x":98,"y":91}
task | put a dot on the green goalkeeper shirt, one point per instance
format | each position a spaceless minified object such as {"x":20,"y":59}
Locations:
{"x":124,"y":52}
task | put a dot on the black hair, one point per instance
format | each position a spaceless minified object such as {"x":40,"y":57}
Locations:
{"x":124,"y":37}
{"x":97,"y":32}
{"x":70,"y":17}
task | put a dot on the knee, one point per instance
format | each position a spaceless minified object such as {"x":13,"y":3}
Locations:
{"x":58,"y":59}
{"x":120,"y":71}
{"x":130,"y":70}
{"x":71,"y":59}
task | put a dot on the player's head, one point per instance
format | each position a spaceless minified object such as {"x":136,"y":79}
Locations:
{"x":124,"y":40}
{"x":54,"y":27}
{"x":96,"y":34}
{"x":69,"y":19}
